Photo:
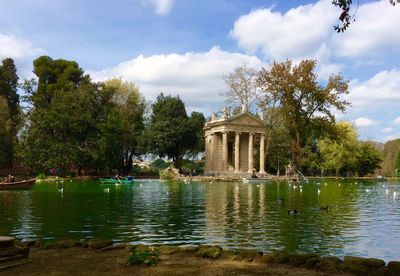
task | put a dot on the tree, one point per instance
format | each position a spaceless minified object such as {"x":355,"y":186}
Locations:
{"x":196,"y":123}
{"x":398,"y":165}
{"x":341,"y":151}
{"x":10,"y":110}
{"x":170,"y":132}
{"x":242,"y":87}
{"x":55,"y":75}
{"x":131,"y":106}
{"x":305,"y":105}
{"x":368,"y":159}
{"x":73,"y":123}
{"x":5,"y":135}
{"x":345,"y":16}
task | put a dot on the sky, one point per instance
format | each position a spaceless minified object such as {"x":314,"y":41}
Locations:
{"x":184,"y":47}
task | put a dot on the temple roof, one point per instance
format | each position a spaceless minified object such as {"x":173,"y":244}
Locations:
{"x":242,"y":122}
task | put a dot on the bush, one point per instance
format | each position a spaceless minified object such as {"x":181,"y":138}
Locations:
{"x":41,"y":176}
{"x":167,"y":174}
{"x":148,"y":257}
{"x":159,"y":164}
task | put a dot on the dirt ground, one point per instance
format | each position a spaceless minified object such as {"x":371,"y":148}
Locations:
{"x":83,"y":261}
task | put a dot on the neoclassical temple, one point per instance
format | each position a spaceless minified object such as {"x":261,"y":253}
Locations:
{"x":229,"y":143}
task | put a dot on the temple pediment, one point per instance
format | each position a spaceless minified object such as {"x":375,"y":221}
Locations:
{"x":245,"y":119}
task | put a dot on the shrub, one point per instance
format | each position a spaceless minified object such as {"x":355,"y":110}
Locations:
{"x":41,"y":176}
{"x":148,"y":257}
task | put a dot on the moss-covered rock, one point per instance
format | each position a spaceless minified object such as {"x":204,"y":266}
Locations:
{"x":188,"y":249}
{"x":282,"y":257}
{"x":267,"y":258}
{"x":312,"y":260}
{"x":231,"y":255}
{"x":141,"y":247}
{"x":329,"y":264}
{"x":248,"y":255}
{"x":97,"y":243}
{"x":168,"y":249}
{"x":297,"y":260}
{"x":361,"y":265}
{"x":394,"y":267}
{"x":64,"y":244}
{"x":209,"y":251}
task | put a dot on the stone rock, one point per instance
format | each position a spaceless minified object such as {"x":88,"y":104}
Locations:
{"x":114,"y":247}
{"x":361,"y":265}
{"x":282,"y":257}
{"x":97,"y":243}
{"x":63,"y":244}
{"x":188,"y":249}
{"x":168,"y":249}
{"x":34,"y":243}
{"x":141,"y":248}
{"x":297,"y":260}
{"x":267,"y":258}
{"x":394,"y":267}
{"x":312,"y":260}
{"x":209,"y":251}
{"x":329,"y":264}
{"x":248,"y":255}
{"x":230,"y":255}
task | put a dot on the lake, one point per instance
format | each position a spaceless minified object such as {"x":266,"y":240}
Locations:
{"x":363,"y":217}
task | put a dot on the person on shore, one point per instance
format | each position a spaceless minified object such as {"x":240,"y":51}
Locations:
{"x":253,"y":175}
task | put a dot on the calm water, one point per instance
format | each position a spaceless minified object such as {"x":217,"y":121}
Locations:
{"x":363,"y":217}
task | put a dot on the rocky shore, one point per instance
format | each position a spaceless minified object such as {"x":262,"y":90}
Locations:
{"x":102,"y":257}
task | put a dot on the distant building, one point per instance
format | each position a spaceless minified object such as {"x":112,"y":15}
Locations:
{"x":229,"y":143}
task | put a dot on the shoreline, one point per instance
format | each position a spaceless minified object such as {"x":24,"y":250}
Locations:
{"x":100,"y":256}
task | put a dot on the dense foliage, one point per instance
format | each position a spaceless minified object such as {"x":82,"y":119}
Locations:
{"x":171,"y":132}
{"x":9,"y":111}
{"x":74,"y":123}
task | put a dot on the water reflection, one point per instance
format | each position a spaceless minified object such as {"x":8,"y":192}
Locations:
{"x":362,"y":218}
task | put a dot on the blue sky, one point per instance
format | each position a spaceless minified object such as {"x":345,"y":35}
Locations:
{"x":185,"y":46}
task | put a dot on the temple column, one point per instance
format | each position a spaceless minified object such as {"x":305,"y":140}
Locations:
{"x":262,"y":154}
{"x":237,"y":150}
{"x":225,"y":150}
{"x":251,"y":152}
{"x":212,"y":152}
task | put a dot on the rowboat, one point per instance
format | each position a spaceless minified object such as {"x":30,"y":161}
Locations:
{"x":256,"y":180}
{"x":115,"y":181}
{"x":24,"y":184}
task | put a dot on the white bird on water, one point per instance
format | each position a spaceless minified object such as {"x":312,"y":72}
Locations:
{"x":387,"y":191}
{"x":394,"y":194}
{"x":319,"y":191}
{"x":61,"y":190}
{"x":107,"y":190}
{"x":141,"y":185}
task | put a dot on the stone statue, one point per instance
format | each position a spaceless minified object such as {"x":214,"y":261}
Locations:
{"x":225,"y":112}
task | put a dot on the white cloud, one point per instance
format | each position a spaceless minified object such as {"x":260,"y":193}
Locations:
{"x":196,"y":77}
{"x":364,"y":122}
{"x":375,"y":30}
{"x":392,"y":137}
{"x":383,"y":89}
{"x":397,"y":121}
{"x":21,"y":51}
{"x":16,"y":48}
{"x":387,"y":130}
{"x":299,"y":32}
{"x":304,"y":31}
{"x":162,"y":6}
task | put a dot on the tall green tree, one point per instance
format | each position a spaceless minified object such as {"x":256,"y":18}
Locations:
{"x":368,"y":159}
{"x":131,"y":107}
{"x":10,"y":112}
{"x":170,"y":132}
{"x":341,"y":151}
{"x":306,"y":105}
